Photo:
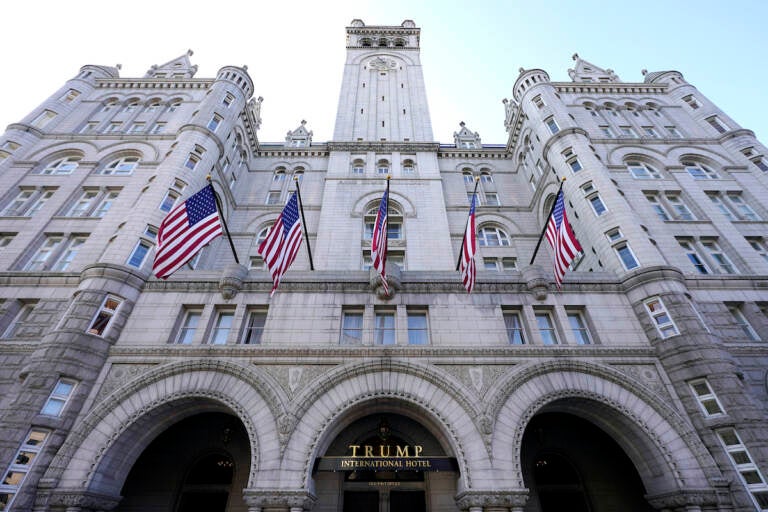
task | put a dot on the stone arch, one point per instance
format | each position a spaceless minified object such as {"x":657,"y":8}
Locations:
{"x":662,"y":445}
{"x":417,"y":391}
{"x":101,"y":449}
{"x":363,"y":203}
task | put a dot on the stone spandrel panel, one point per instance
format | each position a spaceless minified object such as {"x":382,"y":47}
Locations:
{"x":120,"y":374}
{"x":647,"y":375}
{"x":478,"y":378}
{"x":295,"y":378}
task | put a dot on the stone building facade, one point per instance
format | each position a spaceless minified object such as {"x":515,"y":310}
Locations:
{"x":640,"y":385}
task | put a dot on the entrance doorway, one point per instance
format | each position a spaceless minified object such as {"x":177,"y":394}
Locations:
{"x":571,"y":464}
{"x":199,"y":464}
{"x":394,"y":488}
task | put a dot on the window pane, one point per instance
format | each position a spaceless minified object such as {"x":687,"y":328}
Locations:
{"x":187,"y":332}
{"x":352,"y":328}
{"x":223,"y":326}
{"x":417,"y":329}
{"x":385,"y":329}
{"x":255,"y":328}
{"x":514,"y":329}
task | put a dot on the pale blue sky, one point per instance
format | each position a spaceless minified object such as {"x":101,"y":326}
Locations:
{"x":471,"y":52}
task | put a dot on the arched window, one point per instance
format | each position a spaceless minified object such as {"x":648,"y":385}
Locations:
{"x":394,"y":222}
{"x":698,"y":170}
{"x":641,"y":170}
{"x":399,"y":42}
{"x":492,"y":236}
{"x":298,"y":173}
{"x":468,"y":176}
{"x":153,"y":105}
{"x":382,"y":167}
{"x":383,"y":42}
{"x":279,"y":175}
{"x":109,"y":105}
{"x":61,"y":166}
{"x":409,"y":167}
{"x":174,"y":105}
{"x":485,"y":177}
{"x":121,"y":166}
{"x":358,"y":167}
{"x":365,"y":42}
{"x":131,"y":105}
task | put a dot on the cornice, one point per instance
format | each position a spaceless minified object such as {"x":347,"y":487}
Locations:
{"x":153,"y":83}
{"x":494,"y":153}
{"x":321,"y":151}
{"x":337,"y":354}
{"x":609,"y":88}
{"x":383,"y":147}
{"x":373,"y":29}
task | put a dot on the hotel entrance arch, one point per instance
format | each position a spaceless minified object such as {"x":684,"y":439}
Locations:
{"x":385,"y":462}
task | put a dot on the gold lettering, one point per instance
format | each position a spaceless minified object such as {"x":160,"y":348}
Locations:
{"x":402,"y":451}
{"x":368,"y":451}
{"x":417,"y":449}
{"x":382,"y":452}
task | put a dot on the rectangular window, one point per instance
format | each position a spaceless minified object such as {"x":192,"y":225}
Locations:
{"x":744,"y":465}
{"x":708,"y":402}
{"x":17,"y":207}
{"x":691,"y":101}
{"x":722,"y":264}
{"x":418,"y":333}
{"x":65,"y":259}
{"x":546,"y":328}
{"x":69,"y":96}
{"x":661,"y":319}
{"x":759,"y":244}
{"x":607,"y":131}
{"x":139,"y":254}
{"x":39,"y":203}
{"x":227,"y":100}
{"x":254,"y":327}
{"x":650,"y":131}
{"x":597,"y":204}
{"x":657,"y":207}
{"x":189,"y":325}
{"x":552,"y":125}
{"x":21,"y":465}
{"x":679,"y":208}
{"x":743,"y":323}
{"x":137,"y":127}
{"x":579,"y":328}
{"x":59,"y":397}
{"x":673,"y":132}
{"x":114,"y":127}
{"x":89,"y":127}
{"x":273,"y":198}
{"x":538,"y":101}
{"x":21,"y":316}
{"x":83,"y":205}
{"x":256,"y":263}
{"x":103,"y":318}
{"x":744,"y":211}
{"x":626,"y":256}
{"x":384,"y":328}
{"x":352,"y":327}
{"x":720,"y":205}
{"x":192,"y":161}
{"x":693,"y":256}
{"x":41,"y":258}
{"x":157,"y":128}
{"x":717,"y":124}
{"x":169,"y":200}
{"x":105,"y":204}
{"x":43,"y":118}
{"x":214,"y":123}
{"x":492,"y":199}
{"x":627,"y":131}
{"x":761,"y":163}
{"x":514,"y":327}
{"x":222,"y":326}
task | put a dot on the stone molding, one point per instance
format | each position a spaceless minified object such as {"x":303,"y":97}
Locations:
{"x":279,"y":498}
{"x":383,"y":147}
{"x":80,"y":498}
{"x":684,"y":498}
{"x":491,"y":498}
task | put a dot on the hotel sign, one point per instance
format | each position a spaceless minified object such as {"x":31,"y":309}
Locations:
{"x":386,"y":458}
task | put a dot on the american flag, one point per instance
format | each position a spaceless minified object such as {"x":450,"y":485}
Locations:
{"x":562,"y":239}
{"x":282,"y":244}
{"x":185,"y":230}
{"x":469,"y":248}
{"x":379,"y":242}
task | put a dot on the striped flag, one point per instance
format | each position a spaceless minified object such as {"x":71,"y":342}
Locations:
{"x":185,"y":230}
{"x":379,"y":242}
{"x":282,"y":244}
{"x":468,"y":250}
{"x":562,"y":239}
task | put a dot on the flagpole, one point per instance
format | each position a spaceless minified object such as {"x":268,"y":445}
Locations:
{"x":464,"y":236}
{"x":223,"y":221}
{"x":304,"y":222}
{"x":386,"y":227}
{"x":546,"y":223}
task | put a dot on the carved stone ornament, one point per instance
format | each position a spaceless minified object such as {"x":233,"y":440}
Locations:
{"x":683,"y":498}
{"x":279,"y":498}
{"x":382,"y":64}
{"x":536,"y":281}
{"x":232,"y":279}
{"x":393,"y":281}
{"x":83,"y":499}
{"x":492,"y":499}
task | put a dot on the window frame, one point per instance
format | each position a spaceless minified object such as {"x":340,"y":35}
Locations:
{"x":106,"y":314}
{"x":657,"y":313}
{"x":57,"y":397}
{"x":253,"y":334}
